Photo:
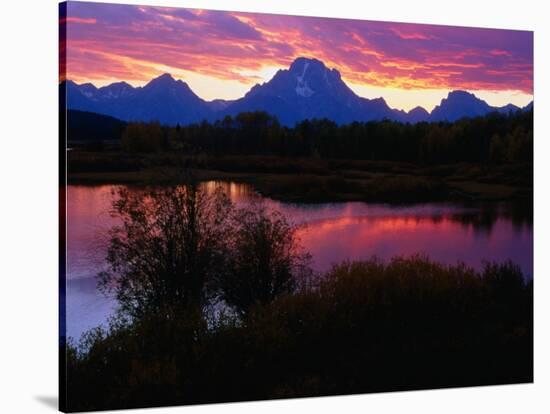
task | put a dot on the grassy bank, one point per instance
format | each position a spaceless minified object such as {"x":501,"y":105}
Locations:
{"x":365,"y":327}
{"x":313,"y":180}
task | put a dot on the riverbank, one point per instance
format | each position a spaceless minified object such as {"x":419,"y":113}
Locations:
{"x":312,"y":180}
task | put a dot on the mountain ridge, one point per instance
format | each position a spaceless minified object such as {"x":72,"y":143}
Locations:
{"x":307,"y":89}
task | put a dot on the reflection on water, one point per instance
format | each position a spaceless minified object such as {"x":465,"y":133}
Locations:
{"x":331,"y":232}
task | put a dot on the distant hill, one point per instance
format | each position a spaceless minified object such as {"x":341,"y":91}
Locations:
{"x":163,"y":99}
{"x":92,"y":127}
{"x":307,"y":89}
{"x":417,"y":114}
{"x":460,"y":104}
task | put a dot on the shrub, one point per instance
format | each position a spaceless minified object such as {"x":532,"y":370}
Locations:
{"x":266,"y":260}
{"x":368,"y":326}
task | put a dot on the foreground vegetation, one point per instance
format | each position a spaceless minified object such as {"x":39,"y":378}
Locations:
{"x":367,"y":327}
{"x":219,"y":304}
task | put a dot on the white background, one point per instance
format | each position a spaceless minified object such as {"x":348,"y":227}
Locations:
{"x":28,"y":204}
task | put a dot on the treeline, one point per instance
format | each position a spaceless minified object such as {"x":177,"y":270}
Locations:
{"x":93,"y":128}
{"x":496,"y":138}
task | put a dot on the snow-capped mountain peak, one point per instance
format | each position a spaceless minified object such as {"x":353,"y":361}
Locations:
{"x":302,"y":87}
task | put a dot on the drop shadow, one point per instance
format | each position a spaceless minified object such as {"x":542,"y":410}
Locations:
{"x":49,"y":401}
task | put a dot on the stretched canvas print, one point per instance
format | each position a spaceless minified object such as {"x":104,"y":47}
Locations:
{"x":258,"y":206}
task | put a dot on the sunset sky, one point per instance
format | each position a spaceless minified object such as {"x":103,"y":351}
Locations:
{"x":223,"y":54}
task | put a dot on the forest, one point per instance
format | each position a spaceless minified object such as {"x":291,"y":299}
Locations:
{"x":495,"y":138}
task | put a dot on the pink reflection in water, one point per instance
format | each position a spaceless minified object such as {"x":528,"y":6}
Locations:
{"x":331,"y":232}
{"x":442,"y":238}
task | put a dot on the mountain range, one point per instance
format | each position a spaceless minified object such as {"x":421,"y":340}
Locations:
{"x":307,"y":89}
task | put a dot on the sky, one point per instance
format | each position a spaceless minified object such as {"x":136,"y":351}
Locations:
{"x":223,"y":54}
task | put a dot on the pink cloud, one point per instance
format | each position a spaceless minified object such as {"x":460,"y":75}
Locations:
{"x":77,"y":20}
{"x":124,"y":42}
{"x":410,"y":35}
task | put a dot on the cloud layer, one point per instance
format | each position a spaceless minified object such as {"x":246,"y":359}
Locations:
{"x":108,"y":42}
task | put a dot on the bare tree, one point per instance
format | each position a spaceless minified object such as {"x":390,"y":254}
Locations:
{"x":170,"y":244}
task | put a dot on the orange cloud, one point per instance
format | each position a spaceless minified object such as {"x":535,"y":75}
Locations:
{"x":121,"y":42}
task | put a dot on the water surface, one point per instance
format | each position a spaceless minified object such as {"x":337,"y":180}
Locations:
{"x":331,"y":232}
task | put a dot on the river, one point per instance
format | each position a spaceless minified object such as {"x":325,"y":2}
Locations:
{"x":331,"y":232}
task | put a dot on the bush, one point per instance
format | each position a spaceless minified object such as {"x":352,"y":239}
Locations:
{"x":265,"y":262}
{"x":366,"y":326}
